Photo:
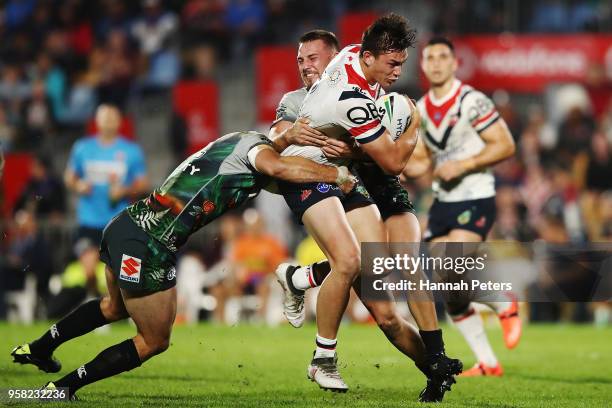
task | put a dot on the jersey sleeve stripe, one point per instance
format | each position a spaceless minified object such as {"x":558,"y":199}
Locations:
{"x":486,"y":126}
{"x":357,"y":131}
{"x":485,"y":118}
{"x":363,"y":139}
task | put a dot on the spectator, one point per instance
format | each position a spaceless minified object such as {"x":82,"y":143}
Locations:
{"x":549,"y":16}
{"x":83,"y":278}
{"x":44,"y":194}
{"x":245,"y":18}
{"x":106,"y":172}
{"x":216,"y":281}
{"x":81,"y":101}
{"x":78,"y":28}
{"x":58,"y":46}
{"x":37,"y":116}
{"x":115,"y":17}
{"x":27,"y":253}
{"x":7,"y":131}
{"x":598,"y":187}
{"x":155,"y":32}
{"x":155,"y":28}
{"x":575,"y":132}
{"x":54,"y":79}
{"x":201,"y":63}
{"x":205,"y":19}
{"x":17,"y":12}
{"x":255,"y":255}
{"x":119,"y":70}
{"x":13,"y":91}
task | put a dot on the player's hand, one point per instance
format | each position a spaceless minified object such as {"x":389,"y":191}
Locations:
{"x":415,"y":117}
{"x":337,"y":149}
{"x":348,"y":185}
{"x":449,"y":170}
{"x":116,"y":192}
{"x":345,"y":180}
{"x":82,"y":187}
{"x":302,"y":134}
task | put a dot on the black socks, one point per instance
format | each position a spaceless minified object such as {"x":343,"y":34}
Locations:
{"x":82,"y":320}
{"x":112,"y":361}
{"x":433,"y":341}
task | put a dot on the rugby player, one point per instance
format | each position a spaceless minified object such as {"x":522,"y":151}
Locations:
{"x":464,"y":137}
{"x":343,"y":102}
{"x":139,"y":249}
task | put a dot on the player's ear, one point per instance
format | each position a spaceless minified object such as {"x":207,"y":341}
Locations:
{"x":368,"y":58}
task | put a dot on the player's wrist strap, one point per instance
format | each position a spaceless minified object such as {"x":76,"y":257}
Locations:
{"x":343,"y":175}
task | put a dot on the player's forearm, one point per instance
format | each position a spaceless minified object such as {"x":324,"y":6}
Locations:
{"x":73,"y":182}
{"x":417,"y":168}
{"x":405,"y":146}
{"x":301,"y":170}
{"x":280,"y":143}
{"x":493,"y":153}
{"x":278,"y":135}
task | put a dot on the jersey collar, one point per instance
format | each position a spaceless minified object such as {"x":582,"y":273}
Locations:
{"x":451,"y":94}
{"x":357,"y":77}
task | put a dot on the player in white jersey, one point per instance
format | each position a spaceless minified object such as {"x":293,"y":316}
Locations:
{"x":342,"y":105}
{"x":464,"y":136}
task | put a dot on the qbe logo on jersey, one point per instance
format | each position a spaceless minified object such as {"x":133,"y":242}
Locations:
{"x":130,"y":269}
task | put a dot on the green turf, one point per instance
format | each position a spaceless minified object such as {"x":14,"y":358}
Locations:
{"x":554,"y":366}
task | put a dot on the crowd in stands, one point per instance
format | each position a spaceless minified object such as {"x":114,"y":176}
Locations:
{"x":61,"y":61}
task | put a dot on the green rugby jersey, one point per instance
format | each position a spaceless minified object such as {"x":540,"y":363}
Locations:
{"x":207,"y":184}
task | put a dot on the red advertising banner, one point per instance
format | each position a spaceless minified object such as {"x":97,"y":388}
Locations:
{"x":198,"y":104}
{"x":16,"y":176}
{"x":352,"y":26}
{"x":277,"y":74}
{"x":528,"y":63}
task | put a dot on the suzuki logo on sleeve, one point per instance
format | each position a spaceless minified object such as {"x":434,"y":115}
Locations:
{"x":130,"y":269}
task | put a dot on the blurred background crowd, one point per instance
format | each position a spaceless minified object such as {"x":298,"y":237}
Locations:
{"x":174,"y":75}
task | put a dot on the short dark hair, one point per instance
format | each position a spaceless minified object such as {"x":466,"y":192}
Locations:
{"x":389,"y":33}
{"x":327,"y":37}
{"x":441,"y":40}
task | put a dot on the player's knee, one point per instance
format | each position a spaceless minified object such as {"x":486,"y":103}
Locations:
{"x":158,"y":344}
{"x":163,"y":345}
{"x":348,"y":264}
{"x":389,"y":322}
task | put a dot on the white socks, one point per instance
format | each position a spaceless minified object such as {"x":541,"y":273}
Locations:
{"x":325,"y":347}
{"x":303,"y":279}
{"x":471,"y":326}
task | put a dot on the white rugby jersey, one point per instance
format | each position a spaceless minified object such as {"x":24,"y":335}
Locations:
{"x":342,"y":105}
{"x":452,"y":127}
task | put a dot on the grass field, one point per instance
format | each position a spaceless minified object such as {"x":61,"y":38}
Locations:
{"x":244,"y":366}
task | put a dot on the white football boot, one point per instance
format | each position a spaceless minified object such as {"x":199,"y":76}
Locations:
{"x":293,"y":299}
{"x":324,"y":371}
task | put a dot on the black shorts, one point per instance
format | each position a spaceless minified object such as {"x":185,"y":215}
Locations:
{"x":473,"y":215}
{"x":139,"y":262}
{"x":386,"y":191}
{"x":300,"y":197}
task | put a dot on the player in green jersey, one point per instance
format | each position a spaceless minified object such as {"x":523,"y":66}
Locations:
{"x":139,"y":248}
